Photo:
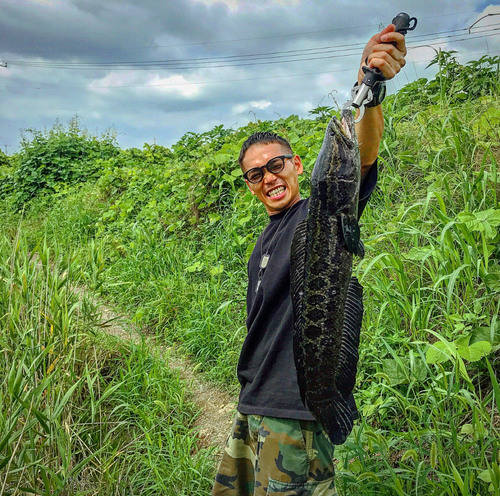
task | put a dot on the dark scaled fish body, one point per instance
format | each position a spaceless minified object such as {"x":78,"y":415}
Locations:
{"x":327,"y":302}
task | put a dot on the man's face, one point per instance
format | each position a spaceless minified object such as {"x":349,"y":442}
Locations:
{"x":276,"y":191}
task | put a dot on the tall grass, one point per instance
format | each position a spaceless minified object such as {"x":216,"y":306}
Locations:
{"x":81,"y":413}
{"x":429,"y":384}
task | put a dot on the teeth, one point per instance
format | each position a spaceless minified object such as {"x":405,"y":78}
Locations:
{"x":277,"y":191}
{"x":345,"y":126}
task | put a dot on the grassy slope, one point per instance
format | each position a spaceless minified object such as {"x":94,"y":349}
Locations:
{"x":173,"y":229}
{"x":80,"y":412}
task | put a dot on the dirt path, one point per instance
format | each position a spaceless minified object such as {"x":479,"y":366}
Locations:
{"x":217,"y":406}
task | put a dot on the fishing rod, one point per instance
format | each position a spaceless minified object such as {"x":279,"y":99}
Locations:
{"x":371,"y":91}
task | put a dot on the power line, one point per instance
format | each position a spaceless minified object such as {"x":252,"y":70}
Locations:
{"x":299,"y":55}
{"x":230,"y":58}
{"x":190,"y":83}
{"x":202,"y":43}
{"x":304,"y":55}
{"x":460,"y":39}
{"x":202,"y":59}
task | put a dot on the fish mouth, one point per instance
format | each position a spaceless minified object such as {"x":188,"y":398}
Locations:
{"x":347,"y":123}
{"x":343,"y":128}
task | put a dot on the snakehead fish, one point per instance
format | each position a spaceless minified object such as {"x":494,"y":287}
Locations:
{"x":327,"y":301}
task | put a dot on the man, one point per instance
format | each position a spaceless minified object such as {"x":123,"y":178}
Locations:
{"x":276,"y":447}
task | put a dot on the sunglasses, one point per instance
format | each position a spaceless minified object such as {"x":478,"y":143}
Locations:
{"x":275,"y":165}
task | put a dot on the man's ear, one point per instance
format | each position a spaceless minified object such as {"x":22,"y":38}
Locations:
{"x":249,"y":187}
{"x":298,"y":164}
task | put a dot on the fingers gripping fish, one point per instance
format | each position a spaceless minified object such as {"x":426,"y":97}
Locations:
{"x":327,"y":302}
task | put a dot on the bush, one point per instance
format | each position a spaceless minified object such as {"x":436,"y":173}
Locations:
{"x":453,"y":84}
{"x":52,"y":159}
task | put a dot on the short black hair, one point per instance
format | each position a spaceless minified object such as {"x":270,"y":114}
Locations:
{"x":262,"y":138}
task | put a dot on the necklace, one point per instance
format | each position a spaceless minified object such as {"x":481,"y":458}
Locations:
{"x":264,"y":259}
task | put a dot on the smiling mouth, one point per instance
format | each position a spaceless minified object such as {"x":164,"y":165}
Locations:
{"x":275,"y":192}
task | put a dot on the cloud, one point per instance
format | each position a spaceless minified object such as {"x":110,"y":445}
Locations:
{"x":164,"y":103}
{"x":231,"y":4}
{"x":152,"y":83}
{"x":244,"y":107}
{"x":234,"y":5}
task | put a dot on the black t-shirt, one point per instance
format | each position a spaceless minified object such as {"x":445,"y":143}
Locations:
{"x":266,"y":368}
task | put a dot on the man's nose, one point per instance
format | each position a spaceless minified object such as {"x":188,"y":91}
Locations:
{"x":269,"y":177}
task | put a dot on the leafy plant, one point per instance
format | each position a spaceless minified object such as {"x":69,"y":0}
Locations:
{"x":80,"y":412}
{"x":53,"y":159}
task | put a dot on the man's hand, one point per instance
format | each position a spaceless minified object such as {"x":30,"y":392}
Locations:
{"x":381,"y":53}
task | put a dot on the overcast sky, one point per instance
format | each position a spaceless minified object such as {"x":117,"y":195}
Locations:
{"x":154,"y":70}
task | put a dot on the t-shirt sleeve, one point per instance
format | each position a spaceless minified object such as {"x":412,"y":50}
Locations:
{"x":367,"y":187}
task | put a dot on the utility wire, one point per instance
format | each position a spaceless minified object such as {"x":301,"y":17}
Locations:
{"x":232,"y":60}
{"x":201,"y":43}
{"x":305,"y":55}
{"x":186,"y":60}
{"x":314,"y":50}
{"x":480,"y":36}
{"x":189,"y":83}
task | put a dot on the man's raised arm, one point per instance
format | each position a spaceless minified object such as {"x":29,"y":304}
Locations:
{"x":381,"y":53}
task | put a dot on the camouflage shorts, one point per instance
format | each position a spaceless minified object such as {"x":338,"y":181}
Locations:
{"x":276,"y":457}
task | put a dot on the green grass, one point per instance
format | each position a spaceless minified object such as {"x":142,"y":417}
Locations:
{"x":429,"y":366}
{"x":81,"y":412}
{"x":165,"y":236}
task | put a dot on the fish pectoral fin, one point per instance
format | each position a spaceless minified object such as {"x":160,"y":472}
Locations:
{"x":352,"y":235}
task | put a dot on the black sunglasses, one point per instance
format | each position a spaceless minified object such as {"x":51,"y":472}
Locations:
{"x":275,"y":165}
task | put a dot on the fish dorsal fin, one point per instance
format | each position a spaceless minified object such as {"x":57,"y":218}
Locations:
{"x":352,"y":235}
{"x":297,"y":279}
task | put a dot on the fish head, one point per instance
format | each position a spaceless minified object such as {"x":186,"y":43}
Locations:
{"x":337,"y":171}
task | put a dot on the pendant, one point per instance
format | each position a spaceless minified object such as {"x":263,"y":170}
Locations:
{"x":264,"y":260}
